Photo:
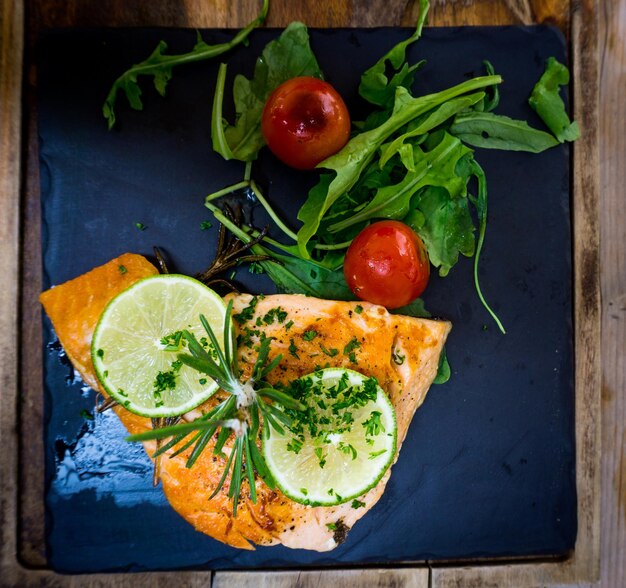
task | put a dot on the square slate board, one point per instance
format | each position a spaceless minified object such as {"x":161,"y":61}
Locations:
{"x":487,"y":469}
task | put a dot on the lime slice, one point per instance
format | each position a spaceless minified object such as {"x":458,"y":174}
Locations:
{"x":137,"y":340}
{"x":340,"y":446}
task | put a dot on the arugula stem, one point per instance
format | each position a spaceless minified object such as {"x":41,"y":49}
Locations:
{"x":159,"y":66}
{"x":228,"y":190}
{"x":218,"y":136}
{"x":279,"y":223}
{"x":481,"y":209}
{"x":290,"y":249}
{"x":247,"y":174}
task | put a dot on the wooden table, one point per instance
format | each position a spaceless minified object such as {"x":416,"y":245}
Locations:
{"x":599,"y":212}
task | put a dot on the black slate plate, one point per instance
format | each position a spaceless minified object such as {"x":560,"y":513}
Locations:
{"x":488,"y":465}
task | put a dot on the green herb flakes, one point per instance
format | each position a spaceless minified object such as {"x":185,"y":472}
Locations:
{"x":375,"y":454}
{"x":347,"y":449}
{"x":319,"y":453}
{"x":309,"y":335}
{"x":330,"y":352}
{"x":293,"y":350}
{"x":294,"y":445}
{"x":351,"y":346}
{"x":373,"y":426}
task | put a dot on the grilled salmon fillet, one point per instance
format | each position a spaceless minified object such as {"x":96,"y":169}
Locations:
{"x":402,"y":353}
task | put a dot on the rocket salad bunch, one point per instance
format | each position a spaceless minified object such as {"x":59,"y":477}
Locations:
{"x":410,"y":160}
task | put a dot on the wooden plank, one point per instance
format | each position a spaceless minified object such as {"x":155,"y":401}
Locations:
{"x":322,"y":13}
{"x":583,"y":566}
{"x":612,"y":43}
{"x":382,"y":578}
{"x":11,"y":45}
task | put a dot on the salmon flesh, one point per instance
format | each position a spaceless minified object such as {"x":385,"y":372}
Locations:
{"x":75,"y":307}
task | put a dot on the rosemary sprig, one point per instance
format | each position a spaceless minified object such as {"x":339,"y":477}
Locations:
{"x":251,"y":407}
{"x":230,"y":253}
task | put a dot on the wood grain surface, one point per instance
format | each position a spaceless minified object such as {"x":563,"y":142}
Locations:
{"x":583,"y":21}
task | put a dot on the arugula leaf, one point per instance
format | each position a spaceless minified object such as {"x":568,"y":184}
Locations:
{"x":287,"y":57}
{"x":434,"y":168}
{"x":492,"y":101}
{"x":375,"y":86}
{"x":293,"y":275}
{"x":350,"y":162}
{"x":415,"y":308}
{"x":547,"y":103}
{"x":494,"y":131}
{"x":159,"y":66}
{"x":433,"y":119}
{"x":443,"y":372}
{"x":448,"y":229}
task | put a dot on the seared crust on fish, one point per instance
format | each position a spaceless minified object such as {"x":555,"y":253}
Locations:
{"x":382,"y":338}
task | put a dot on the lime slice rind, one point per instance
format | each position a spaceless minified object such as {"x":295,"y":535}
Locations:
{"x":353,"y":462}
{"x":127,"y":350}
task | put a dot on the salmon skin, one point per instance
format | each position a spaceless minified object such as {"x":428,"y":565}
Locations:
{"x":75,"y":307}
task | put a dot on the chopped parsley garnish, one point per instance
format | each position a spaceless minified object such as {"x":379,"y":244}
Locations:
{"x":86,"y":414}
{"x":352,"y":357}
{"x":398,"y":358}
{"x":319,"y":452}
{"x":347,"y":449}
{"x":332,"y":526}
{"x":288,"y":325}
{"x":275,"y":314}
{"x":294,"y":445}
{"x":357,"y":503}
{"x":309,"y":335}
{"x":351,"y":346}
{"x":164,"y":381}
{"x":358,"y":309}
{"x":202,"y":381}
{"x":172,"y":342}
{"x":122,"y":269}
{"x":205,"y":225}
{"x":373,"y":426}
{"x":140,"y":226}
{"x":330,"y":352}
{"x":375,"y":454}
{"x":304,"y":491}
{"x":100,"y":353}
{"x":248,"y":312}
{"x":293,"y":350}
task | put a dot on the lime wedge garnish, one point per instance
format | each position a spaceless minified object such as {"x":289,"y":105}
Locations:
{"x":340,"y":446}
{"x":137,"y":340}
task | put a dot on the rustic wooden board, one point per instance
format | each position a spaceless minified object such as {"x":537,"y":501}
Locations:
{"x":579,"y":22}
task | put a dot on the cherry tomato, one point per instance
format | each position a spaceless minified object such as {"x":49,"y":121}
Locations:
{"x":305,"y":121}
{"x":387,"y":264}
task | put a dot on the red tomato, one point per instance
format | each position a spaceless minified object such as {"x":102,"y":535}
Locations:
{"x":387,"y":264}
{"x":305,"y":121}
